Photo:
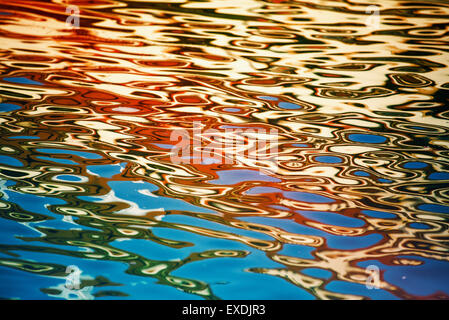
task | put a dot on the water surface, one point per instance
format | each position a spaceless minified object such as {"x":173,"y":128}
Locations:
{"x":358,"y":182}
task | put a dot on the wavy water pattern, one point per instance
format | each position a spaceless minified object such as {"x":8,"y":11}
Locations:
{"x":355,"y":172}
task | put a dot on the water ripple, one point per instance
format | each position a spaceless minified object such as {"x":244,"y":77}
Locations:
{"x":359,"y":177}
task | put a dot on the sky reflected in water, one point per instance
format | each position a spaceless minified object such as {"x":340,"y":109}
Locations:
{"x":354,"y":174}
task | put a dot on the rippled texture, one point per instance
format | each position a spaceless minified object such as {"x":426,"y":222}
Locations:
{"x":360,"y":178}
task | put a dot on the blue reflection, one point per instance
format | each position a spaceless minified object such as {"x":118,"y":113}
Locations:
{"x":418,"y":225}
{"x":379,"y":214}
{"x":297,"y":251}
{"x":57,"y":160}
{"x":332,"y":218}
{"x":7,"y":160}
{"x":328,"y":159}
{"x":22,"y":80}
{"x":289,"y":105}
{"x":425,"y":279}
{"x":106,"y":170}
{"x":6,"y":107}
{"x":231,"y":109}
{"x":414,"y":165}
{"x":268,"y":98}
{"x":351,"y":242}
{"x":431,"y":207}
{"x":317,"y":273}
{"x":233,"y":279}
{"x":366,"y":138}
{"x":24,"y":137}
{"x":439,"y":176}
{"x":361,"y":173}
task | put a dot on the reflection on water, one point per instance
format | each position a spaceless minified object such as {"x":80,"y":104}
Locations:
{"x":360,"y":177}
